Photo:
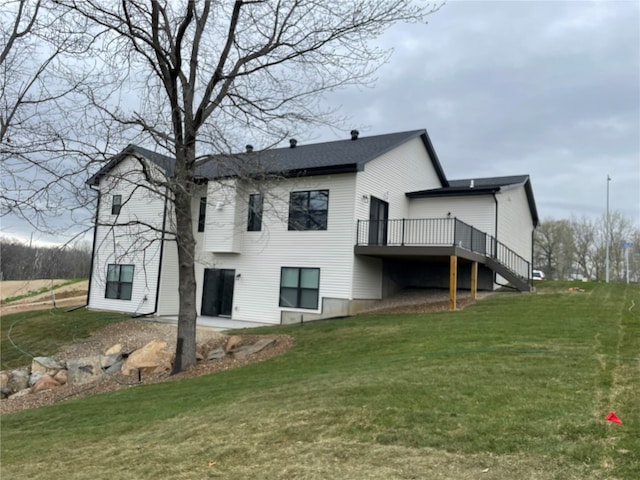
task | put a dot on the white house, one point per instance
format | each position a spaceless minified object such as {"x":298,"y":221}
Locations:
{"x":308,"y":232}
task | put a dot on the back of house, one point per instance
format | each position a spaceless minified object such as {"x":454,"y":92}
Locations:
{"x":307,"y":232}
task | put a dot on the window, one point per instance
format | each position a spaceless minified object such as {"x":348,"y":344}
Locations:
{"x":308,"y":210}
{"x":254,"y":223}
{"x":116,"y":204}
{"x":202,"y":214}
{"x":299,"y":287}
{"x":119,"y":282}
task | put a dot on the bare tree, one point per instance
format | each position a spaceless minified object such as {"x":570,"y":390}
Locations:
{"x":553,"y":247}
{"x":585,"y":234}
{"x":619,"y":231}
{"x":213,"y":72}
{"x":47,"y":140}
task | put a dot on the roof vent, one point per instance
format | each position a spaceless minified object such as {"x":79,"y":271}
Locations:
{"x":292,"y":143}
{"x":471,"y":184}
{"x":354,"y":134}
{"x":249,"y":148}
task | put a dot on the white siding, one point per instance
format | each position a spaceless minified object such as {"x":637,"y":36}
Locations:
{"x":137,"y":243}
{"x":389,"y":177}
{"x":264,"y":253}
{"x":168,"y":300}
{"x":515,"y":224}
{"x":478,"y":211}
{"x":223,"y":231}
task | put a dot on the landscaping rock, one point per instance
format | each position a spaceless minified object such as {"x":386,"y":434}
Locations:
{"x":34,"y":377}
{"x":61,"y":377}
{"x":20,"y":393}
{"x":232,"y":343}
{"x":247,"y":350}
{"x":4,"y":393}
{"x":84,"y":370}
{"x":154,"y":357}
{"x":216,"y":354}
{"x":115,"y":368}
{"x":45,"y":382}
{"x":46,"y":365}
{"x":117,"y":348}
{"x":108,"y":360}
{"x":4,"y":378}
{"x":19,"y":379}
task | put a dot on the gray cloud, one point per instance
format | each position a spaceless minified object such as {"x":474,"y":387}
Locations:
{"x":546,"y":88}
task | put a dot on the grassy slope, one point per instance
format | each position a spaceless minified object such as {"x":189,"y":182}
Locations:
{"x":515,"y":386}
{"x":42,"y":332}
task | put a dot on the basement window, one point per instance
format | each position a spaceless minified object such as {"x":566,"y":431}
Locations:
{"x":119,"y":282}
{"x":299,"y":287}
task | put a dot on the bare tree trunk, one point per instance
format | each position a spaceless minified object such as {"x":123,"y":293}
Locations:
{"x":186,"y":340}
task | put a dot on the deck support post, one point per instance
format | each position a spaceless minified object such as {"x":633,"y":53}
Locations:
{"x":453,"y":281}
{"x":474,"y":280}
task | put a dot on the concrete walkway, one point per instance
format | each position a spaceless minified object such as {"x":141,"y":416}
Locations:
{"x":217,"y":323}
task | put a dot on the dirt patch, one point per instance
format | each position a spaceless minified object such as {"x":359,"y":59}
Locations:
{"x":133,"y":334}
{"x":62,"y":297}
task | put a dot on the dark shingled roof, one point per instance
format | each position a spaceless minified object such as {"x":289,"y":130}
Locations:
{"x":164,"y":162}
{"x":340,"y":156}
{"x":483,"y":186}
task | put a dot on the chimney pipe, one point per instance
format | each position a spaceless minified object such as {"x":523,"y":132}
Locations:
{"x":249,"y":148}
{"x":354,"y":134}
{"x":292,"y":143}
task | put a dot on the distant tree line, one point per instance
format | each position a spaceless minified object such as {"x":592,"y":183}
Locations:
{"x":19,"y":261}
{"x":576,"y":248}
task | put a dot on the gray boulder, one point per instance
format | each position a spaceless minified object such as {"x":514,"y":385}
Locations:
{"x":248,"y":350}
{"x":34,"y":377}
{"x":84,"y":370}
{"x":107,"y":361}
{"x":20,"y":393}
{"x":216,"y":354}
{"x":19,"y":379}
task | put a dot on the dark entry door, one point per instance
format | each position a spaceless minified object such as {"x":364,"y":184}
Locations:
{"x":378,"y":220}
{"x":217,"y":292}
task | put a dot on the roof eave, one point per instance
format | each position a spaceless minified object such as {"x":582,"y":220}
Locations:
{"x":453,"y":192}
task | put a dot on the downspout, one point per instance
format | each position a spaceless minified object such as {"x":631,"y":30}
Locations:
{"x":495,"y":236}
{"x":93,"y":248}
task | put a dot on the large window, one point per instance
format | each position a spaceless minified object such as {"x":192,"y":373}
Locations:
{"x":119,"y":282}
{"x":299,"y":287}
{"x":202,"y":214}
{"x":254,"y":223}
{"x":308,"y":210}
{"x":116,"y":204}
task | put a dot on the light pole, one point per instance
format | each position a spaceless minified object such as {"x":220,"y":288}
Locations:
{"x":607,"y":231}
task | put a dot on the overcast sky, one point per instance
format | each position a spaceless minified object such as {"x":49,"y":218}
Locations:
{"x":545,"y":88}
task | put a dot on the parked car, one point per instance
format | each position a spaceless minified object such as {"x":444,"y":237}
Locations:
{"x":538,"y":275}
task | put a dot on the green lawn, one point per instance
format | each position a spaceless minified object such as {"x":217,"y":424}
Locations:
{"x":516,"y":386}
{"x":42,"y":332}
